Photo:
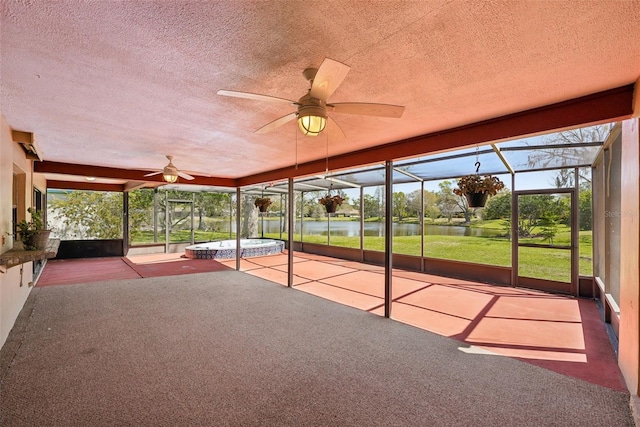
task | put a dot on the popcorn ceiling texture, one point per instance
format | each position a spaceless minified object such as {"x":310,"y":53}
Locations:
{"x":122,"y":84}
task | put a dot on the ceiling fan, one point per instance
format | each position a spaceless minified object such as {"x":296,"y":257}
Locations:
{"x":312,"y":108}
{"x":170,"y":173}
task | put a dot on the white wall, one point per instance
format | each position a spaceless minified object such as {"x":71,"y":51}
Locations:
{"x":12,"y":294}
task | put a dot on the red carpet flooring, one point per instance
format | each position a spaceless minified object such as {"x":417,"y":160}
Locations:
{"x":74,"y":271}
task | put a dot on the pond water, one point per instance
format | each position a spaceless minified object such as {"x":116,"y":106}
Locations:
{"x":352,"y":229}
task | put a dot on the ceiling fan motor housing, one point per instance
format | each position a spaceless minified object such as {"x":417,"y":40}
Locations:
{"x":171,"y":170}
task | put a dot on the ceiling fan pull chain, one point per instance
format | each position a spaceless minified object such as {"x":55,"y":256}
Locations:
{"x":326,"y":171}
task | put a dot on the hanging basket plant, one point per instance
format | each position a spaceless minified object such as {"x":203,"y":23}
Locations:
{"x":330,"y":202}
{"x":262,"y":203}
{"x":477,"y":188}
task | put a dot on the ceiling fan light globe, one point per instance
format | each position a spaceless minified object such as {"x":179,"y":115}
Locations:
{"x":169,"y":177}
{"x":312,"y":120}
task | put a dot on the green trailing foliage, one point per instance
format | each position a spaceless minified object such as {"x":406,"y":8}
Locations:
{"x":28,"y":230}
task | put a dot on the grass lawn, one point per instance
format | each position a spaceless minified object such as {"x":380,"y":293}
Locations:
{"x":180,"y":236}
{"x":541,"y":263}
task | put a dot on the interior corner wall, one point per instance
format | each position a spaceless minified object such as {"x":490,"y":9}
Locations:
{"x":14,"y":283}
{"x":629,"y":343}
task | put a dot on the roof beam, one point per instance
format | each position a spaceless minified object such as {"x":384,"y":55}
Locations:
{"x":86,"y":186}
{"x":339,"y":181}
{"x":602,"y":107}
{"x":504,"y":160}
{"x":126,"y":174}
{"x":409,"y":174}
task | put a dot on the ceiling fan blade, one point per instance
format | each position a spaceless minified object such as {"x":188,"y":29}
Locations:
{"x":154,"y":173}
{"x":185,"y":175}
{"x":334,"y":129}
{"x":277,"y":123}
{"x":367,"y":109}
{"x":329,"y":76}
{"x":254,"y":96}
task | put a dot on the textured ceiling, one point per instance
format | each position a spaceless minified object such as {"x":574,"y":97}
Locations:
{"x":122,"y":84}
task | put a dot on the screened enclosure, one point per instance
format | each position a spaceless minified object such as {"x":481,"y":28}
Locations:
{"x":535,"y":230}
{"x":548,"y":238}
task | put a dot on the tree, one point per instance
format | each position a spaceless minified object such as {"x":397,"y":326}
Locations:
{"x":430,"y":209}
{"x":585,"y":216}
{"x":249,"y":226}
{"x":498,"y":207}
{"x":369,"y":206}
{"x":551,"y":156}
{"x":597,"y":133}
{"x":98,"y":215}
{"x":210,"y":205}
{"x":532,"y":208}
{"x":399,"y":205}
{"x":548,"y":227}
{"x":565,"y":178}
{"x":87,"y":215}
{"x":380,"y":202}
{"x":450,"y":203}
{"x":466,"y":210}
{"x":140,"y":212}
{"x":413,"y":204}
{"x":447,"y":201}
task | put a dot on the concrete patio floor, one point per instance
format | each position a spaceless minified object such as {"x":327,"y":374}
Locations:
{"x":560,"y":333}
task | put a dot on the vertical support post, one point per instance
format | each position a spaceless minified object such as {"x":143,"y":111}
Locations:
{"x":155,"y":215}
{"x":422,"y":225}
{"x":193,"y":219}
{"x":388,"y":238}
{"x":514,"y":232}
{"x":575,"y":241}
{"x":328,"y":229}
{"x":230,"y":217}
{"x":280,"y":216}
{"x":597,"y":243}
{"x":361,"y":224}
{"x":238,"y":212}
{"x":125,"y":222}
{"x":291,"y":227}
{"x":166,"y":222}
{"x":301,"y":217}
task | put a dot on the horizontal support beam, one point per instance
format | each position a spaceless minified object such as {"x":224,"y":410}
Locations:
{"x":86,"y":186}
{"x":602,"y":107}
{"x":125,"y":174}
